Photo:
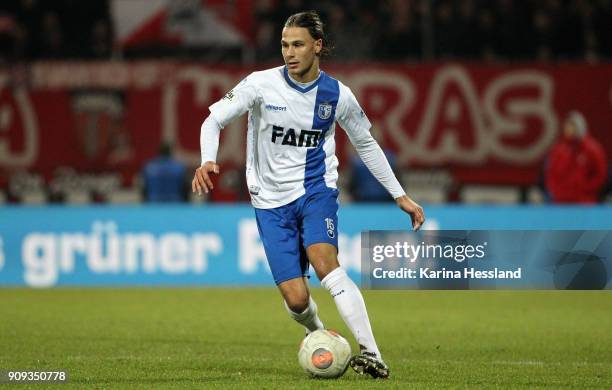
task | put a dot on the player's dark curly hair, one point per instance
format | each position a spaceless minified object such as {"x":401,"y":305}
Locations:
{"x":311,"y":21}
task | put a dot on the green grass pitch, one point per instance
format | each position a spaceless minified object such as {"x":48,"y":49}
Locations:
{"x":243,"y":338}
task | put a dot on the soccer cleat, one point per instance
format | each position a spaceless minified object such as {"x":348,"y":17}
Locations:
{"x":366,"y":363}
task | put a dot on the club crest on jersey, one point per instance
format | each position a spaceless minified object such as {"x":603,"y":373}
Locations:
{"x":325,"y":110}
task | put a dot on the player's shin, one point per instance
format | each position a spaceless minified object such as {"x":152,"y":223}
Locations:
{"x":309,"y":318}
{"x":352,"y":308}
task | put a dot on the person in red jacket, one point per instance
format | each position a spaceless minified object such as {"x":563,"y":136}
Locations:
{"x":577,"y":167}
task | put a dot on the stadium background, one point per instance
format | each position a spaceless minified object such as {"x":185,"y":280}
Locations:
{"x":467,"y":95}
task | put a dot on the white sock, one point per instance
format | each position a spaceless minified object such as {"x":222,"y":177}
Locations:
{"x":309,"y":317}
{"x":352,"y":308}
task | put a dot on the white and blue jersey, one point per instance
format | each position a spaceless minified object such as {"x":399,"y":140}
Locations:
{"x":290,"y":139}
{"x":291,"y":163}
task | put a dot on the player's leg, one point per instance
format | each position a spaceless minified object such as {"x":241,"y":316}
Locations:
{"x":299,"y":303}
{"x":287,"y":259}
{"x":346,"y":294}
{"x":351,"y":307}
{"x":319,"y":228}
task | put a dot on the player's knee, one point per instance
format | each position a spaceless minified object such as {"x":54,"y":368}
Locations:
{"x":321,"y":251}
{"x":324,"y":264}
{"x":323,"y":257}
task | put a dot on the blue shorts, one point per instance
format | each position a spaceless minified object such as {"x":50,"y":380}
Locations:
{"x":288,"y":230}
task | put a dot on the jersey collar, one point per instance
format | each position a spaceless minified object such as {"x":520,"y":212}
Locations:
{"x":293,"y":85}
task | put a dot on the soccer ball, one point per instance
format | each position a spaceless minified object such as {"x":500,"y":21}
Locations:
{"x":324,"y":354}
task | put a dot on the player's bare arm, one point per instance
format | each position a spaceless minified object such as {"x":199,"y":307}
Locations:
{"x":412,"y":208}
{"x":201,"y":179}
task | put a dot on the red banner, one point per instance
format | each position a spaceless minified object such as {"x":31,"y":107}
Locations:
{"x":484,"y":124}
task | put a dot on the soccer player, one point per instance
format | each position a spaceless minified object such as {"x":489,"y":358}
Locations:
{"x":291,"y":175}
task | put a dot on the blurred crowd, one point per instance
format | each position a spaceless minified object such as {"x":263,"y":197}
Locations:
{"x":359,"y":30}
{"x":482,"y":30}
{"x":386,"y":30}
{"x":57,"y":29}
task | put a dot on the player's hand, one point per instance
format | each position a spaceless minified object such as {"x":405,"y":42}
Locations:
{"x":201,"y":179}
{"x":411,"y":207}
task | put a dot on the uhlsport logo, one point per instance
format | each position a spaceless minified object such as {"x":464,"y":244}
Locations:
{"x":325,"y":110}
{"x":275,"y":108}
{"x":331,"y":229}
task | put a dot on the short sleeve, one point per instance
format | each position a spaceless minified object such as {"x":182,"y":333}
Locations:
{"x":236,"y":102}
